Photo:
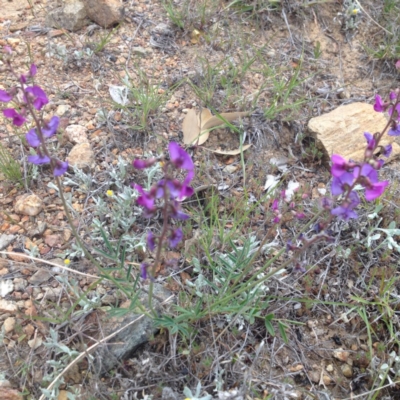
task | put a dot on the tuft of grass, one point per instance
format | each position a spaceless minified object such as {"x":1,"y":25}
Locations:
{"x":9,"y":167}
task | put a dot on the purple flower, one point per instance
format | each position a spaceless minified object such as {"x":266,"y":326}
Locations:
{"x":145,"y":200}
{"x":176,"y":212}
{"x":175,"y":237}
{"x":371,"y":142}
{"x":393,"y":96}
{"x":275,"y":205}
{"x":39,"y":159}
{"x":142,"y":164}
{"x":345,"y":211}
{"x":4,"y":96}
{"x":379,"y":105}
{"x":342,"y":183}
{"x":151,"y":241}
{"x":51,"y":127}
{"x":143,"y":270}
{"x":339,"y":165}
{"x":394,"y":130}
{"x":368,"y":177}
{"x":18,"y":119}
{"x":179,"y":157}
{"x":32,"y":70}
{"x":387,"y":150}
{"x":48,"y":130}
{"x":397,"y":65}
{"x":60,"y":168}
{"x":40,"y":98}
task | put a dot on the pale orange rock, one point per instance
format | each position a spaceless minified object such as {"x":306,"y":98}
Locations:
{"x":341,"y":131}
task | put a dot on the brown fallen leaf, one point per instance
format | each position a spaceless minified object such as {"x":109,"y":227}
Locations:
{"x":197,"y":127}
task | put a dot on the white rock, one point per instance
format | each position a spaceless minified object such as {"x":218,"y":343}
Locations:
{"x":76,"y":134}
{"x":28,"y":204}
{"x":6,"y":287}
{"x":8,"y":306}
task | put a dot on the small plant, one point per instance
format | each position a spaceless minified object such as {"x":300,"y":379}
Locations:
{"x":10,"y":167}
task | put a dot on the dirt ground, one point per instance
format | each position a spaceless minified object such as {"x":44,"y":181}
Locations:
{"x":328,"y":355}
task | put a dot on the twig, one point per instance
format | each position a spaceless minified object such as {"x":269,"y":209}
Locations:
{"x":48,"y":262}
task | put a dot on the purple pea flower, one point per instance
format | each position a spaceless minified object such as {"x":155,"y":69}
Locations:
{"x":32,"y":70}
{"x":176,"y":212}
{"x":339,"y":165}
{"x":345,"y":211}
{"x":146,"y":200}
{"x":369,"y":179}
{"x":394,"y":130}
{"x":40,"y":98}
{"x":142,"y":164}
{"x":387,"y":150}
{"x":371,"y":142}
{"x":151,"y":241}
{"x":379,"y":105}
{"x":60,"y":168}
{"x":179,"y":157}
{"x":18,"y":119}
{"x":342,"y":183}
{"x":175,"y":237}
{"x":38,"y":159}
{"x":143,"y":270}
{"x":48,"y":130}
{"x":5,"y":97}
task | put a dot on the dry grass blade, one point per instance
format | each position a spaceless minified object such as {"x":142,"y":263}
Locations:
{"x":230,"y":152}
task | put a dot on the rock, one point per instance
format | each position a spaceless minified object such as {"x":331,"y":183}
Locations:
{"x":341,"y":355}
{"x":71,"y":16}
{"x":28,"y":204}
{"x":10,"y":394}
{"x":62,"y":109}
{"x":38,"y":229}
{"x":8,"y":306}
{"x":6,"y":287}
{"x":139,"y":51}
{"x":18,"y":26}
{"x":130,"y":338}
{"x":105,"y":13}
{"x":347,"y":370}
{"x":20,"y":284}
{"x":5,"y":240}
{"x":9,"y":324}
{"x":76,"y":134}
{"x":81,"y":156}
{"x":327,"y":380}
{"x":341,"y":131}
{"x":42,"y":275}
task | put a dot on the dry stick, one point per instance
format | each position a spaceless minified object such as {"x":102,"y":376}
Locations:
{"x":48,"y":262}
{"x":86,"y":352}
{"x":371,"y":391}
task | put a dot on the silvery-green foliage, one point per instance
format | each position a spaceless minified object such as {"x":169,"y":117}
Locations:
{"x":197,"y":395}
{"x":375,"y":235}
{"x":85,"y":302}
{"x":63,"y":356}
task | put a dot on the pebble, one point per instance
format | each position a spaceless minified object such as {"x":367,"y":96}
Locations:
{"x":341,"y":355}
{"x":9,"y":324}
{"x":347,"y":370}
{"x":42,"y":275}
{"x":8,"y":306}
{"x":29,"y":204}
{"x":20,"y":284}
